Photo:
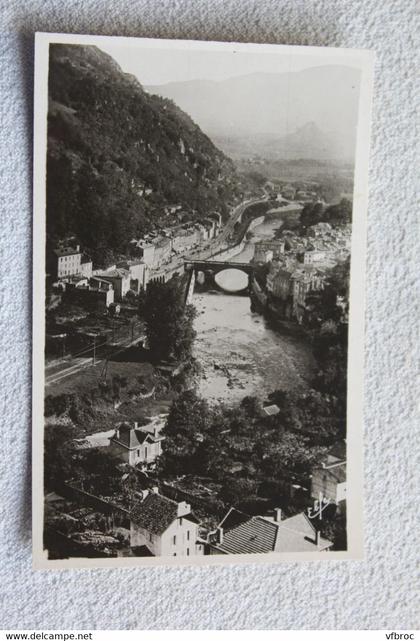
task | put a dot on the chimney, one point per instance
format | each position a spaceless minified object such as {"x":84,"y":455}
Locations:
{"x":155,"y":432}
{"x":219,"y":535}
{"x":183,"y":509}
{"x":317,"y":537}
{"x":135,"y":425}
{"x":77,"y":248}
{"x":277,"y":515}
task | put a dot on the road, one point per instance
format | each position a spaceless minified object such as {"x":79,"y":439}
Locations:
{"x":216,"y":245}
{"x":63,"y":368}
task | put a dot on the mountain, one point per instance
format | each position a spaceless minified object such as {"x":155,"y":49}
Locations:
{"x":116,"y":156}
{"x":307,"y":142}
{"x":263,"y":106}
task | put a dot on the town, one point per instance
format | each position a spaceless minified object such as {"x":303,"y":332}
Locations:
{"x":127,"y":490}
{"x":196,"y":324}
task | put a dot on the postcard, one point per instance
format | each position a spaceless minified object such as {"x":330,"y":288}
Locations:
{"x":199,"y":271}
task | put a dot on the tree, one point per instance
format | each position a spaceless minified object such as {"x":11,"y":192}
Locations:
{"x":188,"y":422}
{"x":339,"y":214}
{"x":58,"y":454}
{"x":237,"y":490}
{"x":100,"y":473}
{"x":311,"y":214}
{"x":169,"y":323}
{"x":292,"y":458}
{"x":251,"y":405}
{"x":256,"y":178}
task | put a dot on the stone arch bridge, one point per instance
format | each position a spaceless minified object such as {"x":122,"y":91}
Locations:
{"x":210,"y":268}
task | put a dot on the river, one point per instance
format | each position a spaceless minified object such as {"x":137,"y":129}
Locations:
{"x":240,"y":352}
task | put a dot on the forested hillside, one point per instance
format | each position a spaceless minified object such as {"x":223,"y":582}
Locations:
{"x":117,"y":156}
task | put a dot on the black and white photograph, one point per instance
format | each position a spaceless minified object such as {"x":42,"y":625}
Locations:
{"x":199,"y":260}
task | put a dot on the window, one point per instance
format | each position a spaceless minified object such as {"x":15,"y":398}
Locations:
{"x":174,"y":553}
{"x":188,"y":535}
{"x":174,"y":539}
{"x":180,"y":520}
{"x":188,"y":551}
{"x":145,"y":452}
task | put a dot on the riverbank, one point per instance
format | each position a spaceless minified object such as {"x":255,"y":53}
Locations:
{"x":243,"y":352}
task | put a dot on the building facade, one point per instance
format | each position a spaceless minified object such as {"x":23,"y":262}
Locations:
{"x":136,"y":445}
{"x":329,"y":479}
{"x":68,"y":261}
{"x":120,"y":280}
{"x":165,"y":527}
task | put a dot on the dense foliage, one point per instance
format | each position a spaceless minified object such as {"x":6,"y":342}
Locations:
{"x":169,"y":322}
{"x":339,"y":214}
{"x":252,"y":457}
{"x":117,"y":156}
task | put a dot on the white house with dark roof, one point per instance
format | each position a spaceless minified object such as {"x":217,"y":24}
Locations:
{"x":239,"y":533}
{"x":329,"y":479}
{"x":119,"y":278}
{"x":135,"y":444}
{"x":68,"y":261}
{"x":165,"y":527}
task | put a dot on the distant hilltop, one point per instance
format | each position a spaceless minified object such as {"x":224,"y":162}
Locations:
{"x":271,"y":113}
{"x":121,"y":162}
{"x":307,"y":142}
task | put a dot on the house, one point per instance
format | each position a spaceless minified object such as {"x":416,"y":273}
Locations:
{"x":288,"y":192}
{"x":67,"y":261}
{"x":218,"y":220}
{"x":186,"y":238}
{"x":279,"y":287}
{"x":147,"y":252}
{"x":120,"y":280}
{"x":271,"y":410}
{"x":135,"y":444}
{"x":165,"y":527}
{"x":239,"y":533}
{"x":211,"y":226}
{"x":86,"y":266}
{"x":163,"y":250}
{"x":329,"y":480}
{"x":272,"y":248}
{"x":312,"y":256}
{"x":139,"y":274}
{"x":305,"y":280}
{"x":98,"y":294}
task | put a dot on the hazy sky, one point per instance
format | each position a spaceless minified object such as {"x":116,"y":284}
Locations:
{"x":159,"y":64}
{"x":263,"y":104}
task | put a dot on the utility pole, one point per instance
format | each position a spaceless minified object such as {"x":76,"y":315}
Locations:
{"x":94,"y":350}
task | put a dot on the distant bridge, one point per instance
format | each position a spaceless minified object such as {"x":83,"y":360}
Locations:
{"x":216,"y":266}
{"x":205,"y":271}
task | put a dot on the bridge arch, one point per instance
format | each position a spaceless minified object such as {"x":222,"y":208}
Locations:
{"x":229,"y":276}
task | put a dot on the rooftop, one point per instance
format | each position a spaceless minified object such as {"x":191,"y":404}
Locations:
{"x":132,"y":437}
{"x":271,"y":410}
{"x":156,"y":513}
{"x":244,"y":534}
{"x":114,"y":273}
{"x":66,"y":251}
